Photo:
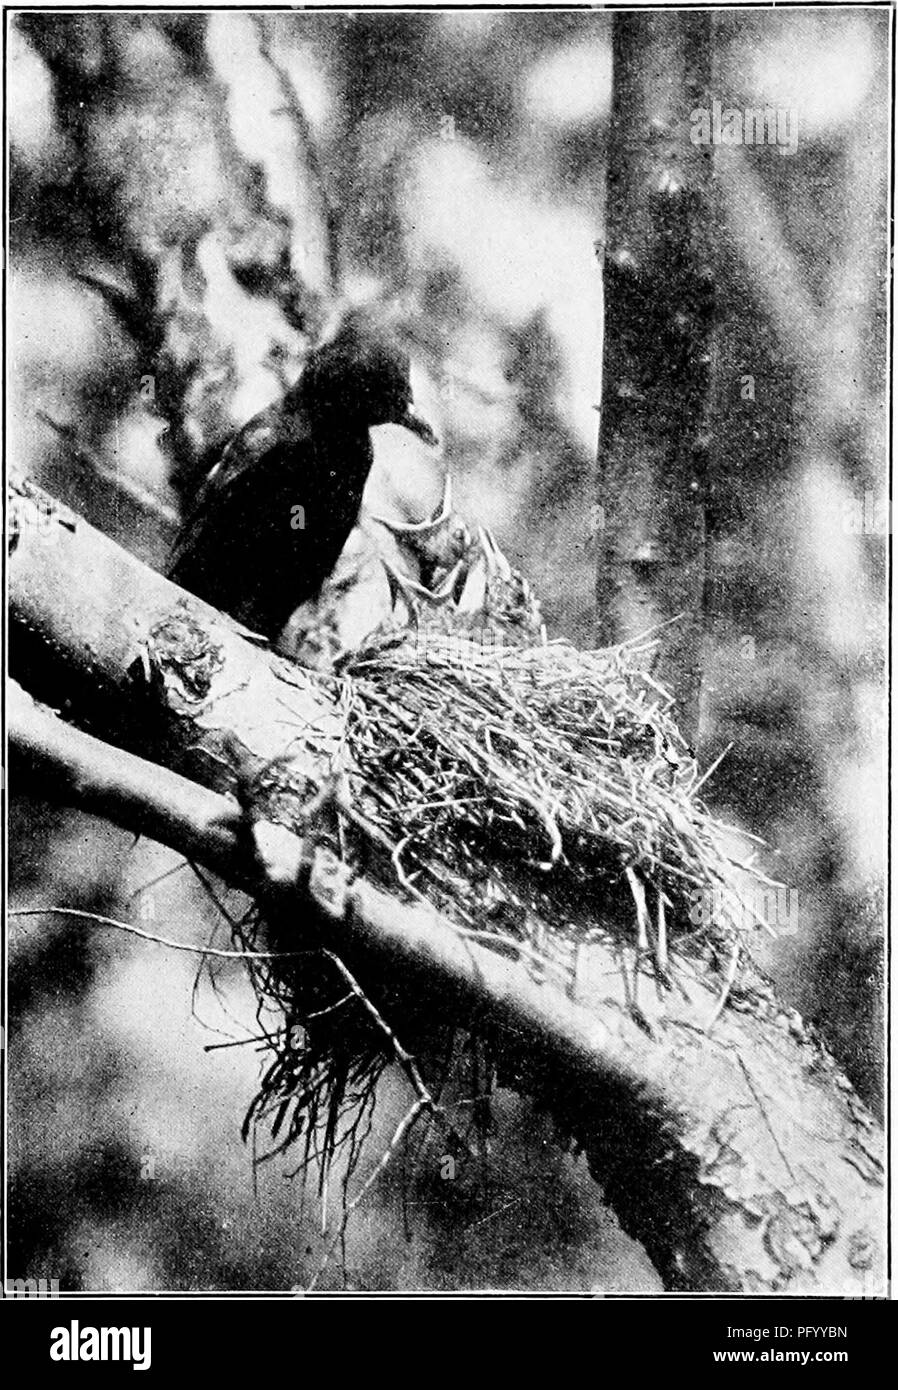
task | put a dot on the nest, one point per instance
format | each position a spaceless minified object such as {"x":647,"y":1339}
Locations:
{"x":539,"y":797}
{"x":559,"y":770}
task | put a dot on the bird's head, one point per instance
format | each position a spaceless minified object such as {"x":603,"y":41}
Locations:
{"x":363,"y":376}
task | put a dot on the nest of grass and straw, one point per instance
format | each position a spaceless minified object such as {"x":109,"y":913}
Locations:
{"x":540,"y":798}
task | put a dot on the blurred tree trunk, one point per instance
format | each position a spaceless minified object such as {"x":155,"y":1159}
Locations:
{"x":659,"y":301}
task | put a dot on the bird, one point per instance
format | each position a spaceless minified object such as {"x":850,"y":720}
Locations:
{"x":274,"y":513}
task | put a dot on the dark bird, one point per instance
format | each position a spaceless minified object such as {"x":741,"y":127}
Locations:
{"x":274,"y":513}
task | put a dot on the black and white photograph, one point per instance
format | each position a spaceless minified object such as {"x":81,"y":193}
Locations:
{"x":446,"y":693}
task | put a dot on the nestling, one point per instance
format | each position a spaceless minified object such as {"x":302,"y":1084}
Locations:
{"x":274,"y":513}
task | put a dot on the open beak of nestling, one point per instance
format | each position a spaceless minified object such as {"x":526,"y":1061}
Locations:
{"x":411,"y":420}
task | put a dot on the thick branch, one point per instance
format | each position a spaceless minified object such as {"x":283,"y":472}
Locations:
{"x":741,"y":1159}
{"x":66,"y":764}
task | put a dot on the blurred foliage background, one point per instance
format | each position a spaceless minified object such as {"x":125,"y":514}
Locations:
{"x":192,"y":198}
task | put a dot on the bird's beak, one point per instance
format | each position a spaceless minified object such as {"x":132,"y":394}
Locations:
{"x":411,"y":420}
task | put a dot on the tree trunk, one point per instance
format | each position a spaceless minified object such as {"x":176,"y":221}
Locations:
{"x":656,"y":378}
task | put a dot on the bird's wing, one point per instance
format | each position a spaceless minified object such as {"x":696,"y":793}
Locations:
{"x":273,"y":428}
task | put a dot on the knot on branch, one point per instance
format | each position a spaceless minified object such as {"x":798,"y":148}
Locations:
{"x":185,"y":655}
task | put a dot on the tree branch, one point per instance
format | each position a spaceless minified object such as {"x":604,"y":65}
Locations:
{"x":741,"y":1160}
